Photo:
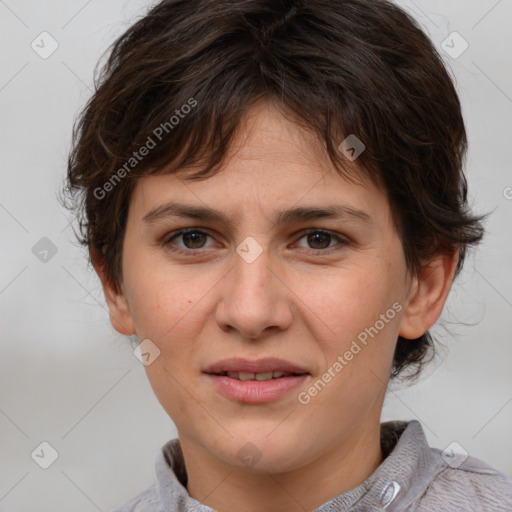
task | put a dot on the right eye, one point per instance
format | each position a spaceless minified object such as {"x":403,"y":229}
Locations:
{"x":187,"y":241}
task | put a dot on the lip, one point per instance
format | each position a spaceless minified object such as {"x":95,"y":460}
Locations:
{"x":254,"y":391}
{"x":267,"y":364}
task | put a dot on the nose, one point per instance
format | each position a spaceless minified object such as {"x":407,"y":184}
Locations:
{"x":255,"y":300}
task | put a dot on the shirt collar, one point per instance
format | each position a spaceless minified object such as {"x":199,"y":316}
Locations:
{"x":406,"y":471}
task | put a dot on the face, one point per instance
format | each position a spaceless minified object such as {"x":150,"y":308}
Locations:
{"x":275,"y":263}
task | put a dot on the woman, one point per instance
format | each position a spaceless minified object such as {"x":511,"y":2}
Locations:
{"x":273,"y":198}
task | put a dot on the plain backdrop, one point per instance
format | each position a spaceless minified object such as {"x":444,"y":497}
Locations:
{"x":68,"y":379}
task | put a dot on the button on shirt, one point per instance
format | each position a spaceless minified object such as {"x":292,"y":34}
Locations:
{"x":412,"y":478}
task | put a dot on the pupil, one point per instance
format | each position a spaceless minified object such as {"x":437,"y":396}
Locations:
{"x":317,"y":239}
{"x":193,"y":240}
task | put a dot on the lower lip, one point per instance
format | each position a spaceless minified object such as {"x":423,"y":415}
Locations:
{"x":255,"y":391}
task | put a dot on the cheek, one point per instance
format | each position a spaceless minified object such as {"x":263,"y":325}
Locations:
{"x":169,"y":311}
{"x":358,"y":349}
{"x":162,"y":298}
{"x":357,"y":318}
{"x":348,"y":301}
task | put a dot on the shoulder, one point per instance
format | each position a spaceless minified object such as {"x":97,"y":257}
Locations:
{"x":470,"y":485}
{"x":415,"y":477}
{"x":146,"y":501}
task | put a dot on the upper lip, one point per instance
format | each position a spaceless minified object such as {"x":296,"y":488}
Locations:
{"x":268,"y":364}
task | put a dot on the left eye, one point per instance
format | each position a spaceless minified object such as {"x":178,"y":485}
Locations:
{"x":320,"y":239}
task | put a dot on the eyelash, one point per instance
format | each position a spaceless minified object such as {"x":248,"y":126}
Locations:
{"x":167,"y":241}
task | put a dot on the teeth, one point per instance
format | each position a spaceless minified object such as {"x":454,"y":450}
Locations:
{"x":263,"y":376}
{"x":245,"y":376}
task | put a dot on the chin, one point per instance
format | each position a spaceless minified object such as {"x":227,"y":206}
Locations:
{"x":258,"y":452}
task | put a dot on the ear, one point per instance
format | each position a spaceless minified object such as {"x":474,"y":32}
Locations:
{"x":428,"y":295}
{"x":119,"y":311}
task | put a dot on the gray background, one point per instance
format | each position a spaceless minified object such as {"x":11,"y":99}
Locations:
{"x":69,"y":379}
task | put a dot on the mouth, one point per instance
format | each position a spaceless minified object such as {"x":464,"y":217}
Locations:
{"x":255,"y":381}
{"x":246,"y":376}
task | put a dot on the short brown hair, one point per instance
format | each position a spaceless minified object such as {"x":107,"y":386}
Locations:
{"x":341,"y":67}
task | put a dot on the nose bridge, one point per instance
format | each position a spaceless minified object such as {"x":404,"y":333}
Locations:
{"x":251,"y":276}
{"x":252,"y":300}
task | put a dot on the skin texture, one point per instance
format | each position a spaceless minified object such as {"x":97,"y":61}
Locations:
{"x":301,"y":300}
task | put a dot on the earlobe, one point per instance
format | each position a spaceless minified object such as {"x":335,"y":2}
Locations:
{"x":118,"y":308}
{"x":428,"y":295}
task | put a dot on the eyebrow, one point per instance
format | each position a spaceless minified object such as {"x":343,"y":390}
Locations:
{"x":290,"y":216}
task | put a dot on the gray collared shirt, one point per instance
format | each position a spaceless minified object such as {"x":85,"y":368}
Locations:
{"x":412,"y":478}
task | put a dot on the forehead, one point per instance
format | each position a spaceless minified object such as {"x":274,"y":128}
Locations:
{"x":272,"y":163}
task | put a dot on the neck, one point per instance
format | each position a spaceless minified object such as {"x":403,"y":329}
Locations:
{"x":225,"y":488}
